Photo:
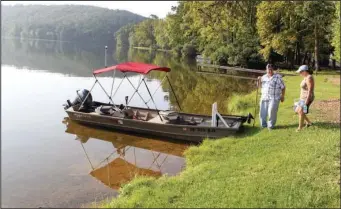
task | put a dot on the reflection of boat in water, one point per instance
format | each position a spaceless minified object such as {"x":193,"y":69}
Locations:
{"x":120,"y":171}
{"x":125,"y":162}
{"x":120,"y":140}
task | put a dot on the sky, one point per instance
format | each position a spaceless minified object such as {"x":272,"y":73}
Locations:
{"x":144,"y":8}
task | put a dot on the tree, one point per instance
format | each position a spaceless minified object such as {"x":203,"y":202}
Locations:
{"x":290,"y":28}
{"x":161,"y":35}
{"x":65,"y":22}
{"x":224,"y":30}
{"x":275,"y":26}
{"x":123,"y":34}
{"x":336,"y":33}
{"x":144,"y":34}
{"x":317,"y":15}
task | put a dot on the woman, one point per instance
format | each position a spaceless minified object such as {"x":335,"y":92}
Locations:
{"x":306,"y":97}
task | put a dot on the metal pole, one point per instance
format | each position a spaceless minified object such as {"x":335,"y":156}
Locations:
{"x":158,"y":87}
{"x":113,"y":80}
{"x":177,"y":101}
{"x":155,"y":158}
{"x":104,"y":90}
{"x":119,"y":85}
{"x":138,"y":92}
{"x":138,"y":86}
{"x":152,"y":98}
{"x":87,"y":156}
{"x":105,"y":56}
{"x":108,"y":170}
{"x":256,"y":106}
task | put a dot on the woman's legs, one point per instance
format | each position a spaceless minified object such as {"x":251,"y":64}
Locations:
{"x":301,"y":117}
{"x":306,"y":119}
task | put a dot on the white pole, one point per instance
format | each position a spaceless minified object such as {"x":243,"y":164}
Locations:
{"x":214,"y":113}
{"x":105,"y":56}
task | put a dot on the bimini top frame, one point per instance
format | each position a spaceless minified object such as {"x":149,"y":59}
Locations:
{"x":134,"y":67}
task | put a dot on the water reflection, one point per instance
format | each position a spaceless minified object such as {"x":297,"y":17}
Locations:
{"x":131,"y":156}
{"x":196,"y":91}
{"x":54,"y":56}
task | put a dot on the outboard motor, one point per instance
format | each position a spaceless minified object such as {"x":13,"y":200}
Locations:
{"x":80,"y":97}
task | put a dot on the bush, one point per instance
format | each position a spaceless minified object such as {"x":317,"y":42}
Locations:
{"x":188,"y":50}
{"x":176,"y":51}
{"x":220,"y":56}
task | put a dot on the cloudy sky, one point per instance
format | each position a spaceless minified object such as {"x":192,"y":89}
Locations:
{"x":144,"y":8}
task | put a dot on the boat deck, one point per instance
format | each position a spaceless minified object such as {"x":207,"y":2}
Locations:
{"x":152,"y":116}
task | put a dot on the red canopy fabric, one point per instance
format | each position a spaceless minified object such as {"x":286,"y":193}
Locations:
{"x":132,"y":67}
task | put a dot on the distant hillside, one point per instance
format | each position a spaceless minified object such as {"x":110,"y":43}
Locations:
{"x":64,"y":22}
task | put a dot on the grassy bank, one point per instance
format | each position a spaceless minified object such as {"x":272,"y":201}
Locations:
{"x":261,"y":168}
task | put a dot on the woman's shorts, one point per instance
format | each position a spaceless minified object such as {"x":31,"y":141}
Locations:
{"x":301,"y":103}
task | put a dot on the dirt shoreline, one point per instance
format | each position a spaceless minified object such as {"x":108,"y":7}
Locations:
{"x":327,"y":110}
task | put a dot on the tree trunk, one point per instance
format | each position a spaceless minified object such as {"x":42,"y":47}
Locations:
{"x":292,"y":59}
{"x":333,"y":64}
{"x":305,"y":58}
{"x":316,"y":50}
{"x":298,"y":57}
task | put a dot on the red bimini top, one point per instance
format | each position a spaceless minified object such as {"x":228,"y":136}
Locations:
{"x":132,"y":67}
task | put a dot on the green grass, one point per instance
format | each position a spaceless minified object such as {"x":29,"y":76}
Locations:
{"x":261,"y":168}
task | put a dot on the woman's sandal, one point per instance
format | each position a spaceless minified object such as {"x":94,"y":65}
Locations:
{"x":299,"y":129}
{"x":308,"y":125}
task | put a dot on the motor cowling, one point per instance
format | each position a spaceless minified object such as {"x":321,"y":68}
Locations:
{"x":81,"y":95}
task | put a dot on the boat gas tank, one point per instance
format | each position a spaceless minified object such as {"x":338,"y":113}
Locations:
{"x":169,"y":114}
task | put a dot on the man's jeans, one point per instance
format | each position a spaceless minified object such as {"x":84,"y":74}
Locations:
{"x":268,"y":108}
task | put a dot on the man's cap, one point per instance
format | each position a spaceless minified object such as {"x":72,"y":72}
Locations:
{"x":302,"y":68}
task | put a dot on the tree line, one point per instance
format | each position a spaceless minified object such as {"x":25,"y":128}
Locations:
{"x":64,"y":22}
{"x":245,"y":33}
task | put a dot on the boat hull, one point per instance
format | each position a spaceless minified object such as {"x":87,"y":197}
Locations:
{"x":172,"y":131}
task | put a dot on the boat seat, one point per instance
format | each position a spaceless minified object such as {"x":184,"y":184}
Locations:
{"x":141,"y":116}
{"x":193,"y":120}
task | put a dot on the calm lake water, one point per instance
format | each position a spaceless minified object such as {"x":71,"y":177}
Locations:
{"x":49,"y":161}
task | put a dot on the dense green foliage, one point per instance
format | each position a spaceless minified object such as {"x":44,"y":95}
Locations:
{"x":123,"y":36}
{"x":263,"y":169}
{"x":64,"y":22}
{"x":245,"y":33}
{"x":336,"y":30}
{"x":296,"y":29}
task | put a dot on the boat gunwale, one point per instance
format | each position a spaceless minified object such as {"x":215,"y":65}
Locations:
{"x":238,"y":120}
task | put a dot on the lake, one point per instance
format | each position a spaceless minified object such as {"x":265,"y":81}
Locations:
{"x":50,"y":161}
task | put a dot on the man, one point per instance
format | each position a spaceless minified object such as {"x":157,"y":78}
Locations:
{"x":273,"y":91}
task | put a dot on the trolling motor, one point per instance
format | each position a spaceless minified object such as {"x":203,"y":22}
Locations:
{"x":126,"y":98}
{"x":122,"y":107}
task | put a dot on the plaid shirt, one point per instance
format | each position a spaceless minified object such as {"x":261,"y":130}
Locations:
{"x":272,"y":87}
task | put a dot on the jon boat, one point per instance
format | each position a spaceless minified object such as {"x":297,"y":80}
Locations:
{"x":148,"y":121}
